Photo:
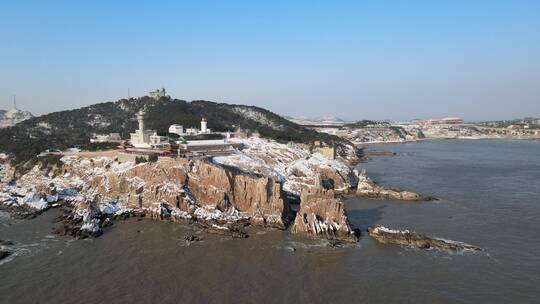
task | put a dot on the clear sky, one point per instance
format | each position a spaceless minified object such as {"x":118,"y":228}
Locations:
{"x":353,"y":59}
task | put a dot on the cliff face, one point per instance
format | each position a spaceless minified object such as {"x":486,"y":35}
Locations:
{"x":141,"y":186}
{"x":179,"y":187}
{"x":259,"y":197}
{"x":200,"y":191}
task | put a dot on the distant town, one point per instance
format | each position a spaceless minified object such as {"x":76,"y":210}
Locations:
{"x":370,"y":131}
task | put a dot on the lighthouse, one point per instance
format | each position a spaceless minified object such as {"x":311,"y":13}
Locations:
{"x":204,"y":128}
{"x":140,"y":118}
{"x":141,"y":137}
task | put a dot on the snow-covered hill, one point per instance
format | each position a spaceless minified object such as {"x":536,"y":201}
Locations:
{"x":13,"y":116}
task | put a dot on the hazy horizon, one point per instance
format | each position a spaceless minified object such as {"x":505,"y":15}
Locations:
{"x":395,"y":61}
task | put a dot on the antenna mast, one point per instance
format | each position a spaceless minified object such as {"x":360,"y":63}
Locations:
{"x":14,"y":101}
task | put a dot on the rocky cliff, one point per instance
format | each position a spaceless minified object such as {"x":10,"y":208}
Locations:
{"x":266,"y":183}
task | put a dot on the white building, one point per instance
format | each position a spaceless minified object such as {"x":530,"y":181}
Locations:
{"x":176,"y":129}
{"x":141,"y":137}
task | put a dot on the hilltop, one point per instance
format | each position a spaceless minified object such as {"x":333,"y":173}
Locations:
{"x":62,"y":129}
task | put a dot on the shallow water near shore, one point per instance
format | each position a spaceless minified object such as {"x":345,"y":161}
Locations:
{"x":489,"y":195}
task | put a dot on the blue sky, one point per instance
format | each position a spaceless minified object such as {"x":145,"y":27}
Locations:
{"x":353,"y":59}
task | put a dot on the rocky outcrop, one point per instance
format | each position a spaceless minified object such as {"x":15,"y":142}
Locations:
{"x":323,"y":215}
{"x":91,"y":219}
{"x":81,"y":221}
{"x":415,"y":239}
{"x":368,"y":188}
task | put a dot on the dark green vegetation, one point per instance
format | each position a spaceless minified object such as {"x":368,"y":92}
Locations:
{"x":140,"y":159}
{"x":60,"y":130}
{"x":100,"y":146}
{"x":203,"y":137}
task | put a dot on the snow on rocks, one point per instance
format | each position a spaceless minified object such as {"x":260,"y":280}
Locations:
{"x":211,"y":213}
{"x":378,"y":229}
{"x":34,"y":201}
{"x":291,"y":164}
{"x":18,"y":198}
{"x":114,"y":208}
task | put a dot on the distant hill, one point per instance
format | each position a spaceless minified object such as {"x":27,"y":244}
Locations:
{"x":326,"y":120}
{"x":527,"y":122}
{"x":13,"y":116}
{"x":60,"y":130}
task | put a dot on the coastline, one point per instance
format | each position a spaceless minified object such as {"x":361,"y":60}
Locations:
{"x":411,"y":141}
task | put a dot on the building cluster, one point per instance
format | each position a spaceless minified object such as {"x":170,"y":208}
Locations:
{"x":157,"y":94}
{"x":179,"y":129}
{"x":145,"y":141}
